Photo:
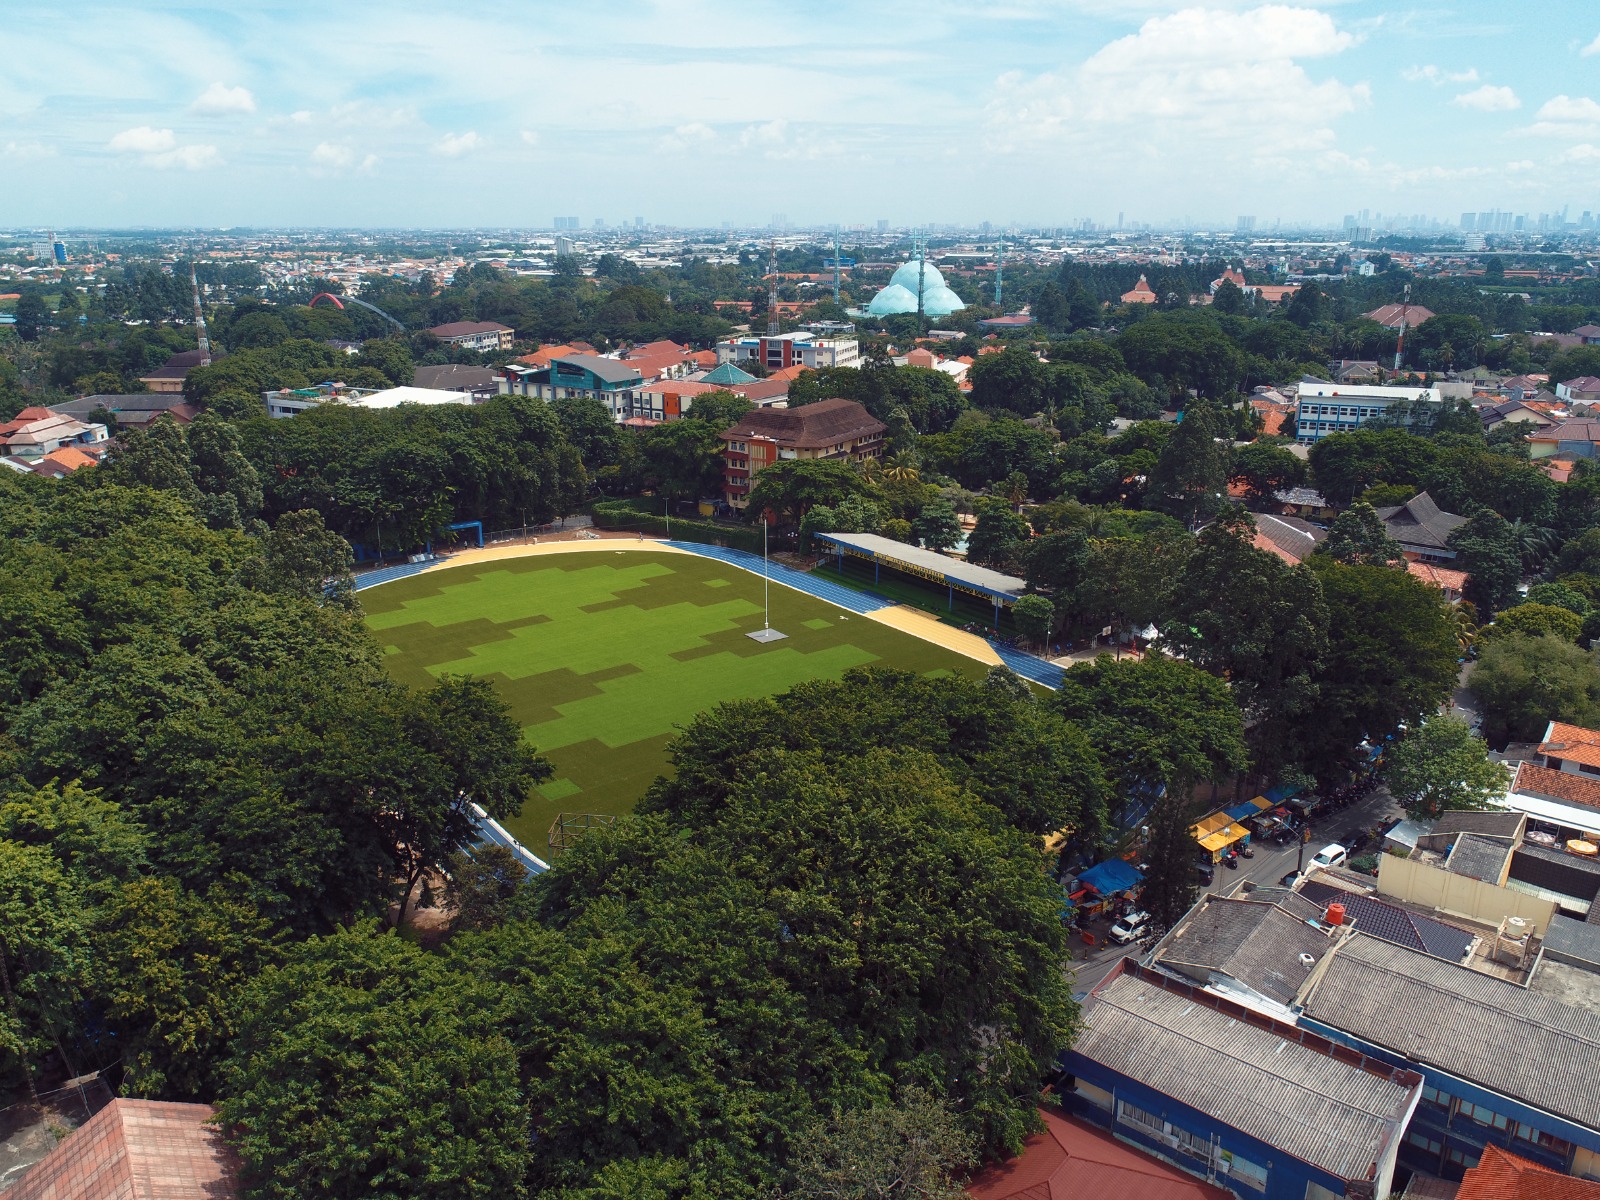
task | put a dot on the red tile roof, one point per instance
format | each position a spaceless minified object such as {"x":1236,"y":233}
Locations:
{"x":811,"y":426}
{"x":1501,"y":1175}
{"x":1071,"y":1160}
{"x":136,"y":1150}
{"x":26,"y":417}
{"x":452,"y":329}
{"x":1572,"y":741}
{"x":1442,"y":578}
{"x":1565,"y":786}
{"x":1389,"y":315}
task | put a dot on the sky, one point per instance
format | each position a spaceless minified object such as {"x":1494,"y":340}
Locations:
{"x":694,"y":112}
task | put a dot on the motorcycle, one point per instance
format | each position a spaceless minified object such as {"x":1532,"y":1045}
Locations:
{"x":1231,"y":861}
{"x":1247,"y":852}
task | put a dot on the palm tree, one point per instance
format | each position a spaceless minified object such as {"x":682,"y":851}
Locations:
{"x":1466,"y":630}
{"x":903,"y":467}
{"x":1533,"y":542}
{"x":869,"y":469}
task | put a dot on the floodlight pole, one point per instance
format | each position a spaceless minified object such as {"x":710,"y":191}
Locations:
{"x":766,"y":610}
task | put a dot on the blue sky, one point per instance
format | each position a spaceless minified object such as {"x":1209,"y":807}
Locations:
{"x":346,"y":112}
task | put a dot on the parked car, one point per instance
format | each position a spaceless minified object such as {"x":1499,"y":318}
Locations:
{"x":1331,"y":855}
{"x":1132,"y":927}
{"x":1204,"y":872}
{"x":1289,"y":880}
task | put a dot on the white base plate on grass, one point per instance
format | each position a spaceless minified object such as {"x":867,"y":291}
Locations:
{"x":766,"y":635}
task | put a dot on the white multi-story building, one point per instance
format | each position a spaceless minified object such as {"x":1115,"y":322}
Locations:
{"x":1326,"y":408}
{"x":800,"y":349}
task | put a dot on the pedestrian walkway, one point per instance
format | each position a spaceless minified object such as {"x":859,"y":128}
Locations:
{"x":823,"y":589}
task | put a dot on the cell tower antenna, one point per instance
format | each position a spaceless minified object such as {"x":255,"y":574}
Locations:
{"x":836,"y":266}
{"x":772,"y":293}
{"x":1000,"y":271}
{"x":1399,"y":347}
{"x":199,"y":314}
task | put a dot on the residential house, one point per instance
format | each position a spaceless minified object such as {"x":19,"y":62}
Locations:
{"x":836,"y":428}
{"x":1501,"y":1175}
{"x":608,"y":380}
{"x":169,"y":376}
{"x":1451,"y":583}
{"x":1141,"y":293}
{"x":1016,"y":320}
{"x":1234,"y":1095}
{"x":1306,"y":502}
{"x":1229,"y":275}
{"x":1071,"y":1159}
{"x":35,"y":432}
{"x":1585,"y":389}
{"x":1589,"y":333}
{"x":137,"y":1150}
{"x":1422,"y":528}
{"x":1501,"y":1063}
{"x":1575,"y":437}
{"x":764,"y":393}
{"x":1520,"y":387}
{"x":482,"y":336}
{"x":1354,"y":370}
{"x":1275,"y":293}
{"x":1515,"y":412}
{"x":1290,"y":538}
{"x":58,"y":464}
{"x":1393,"y":316}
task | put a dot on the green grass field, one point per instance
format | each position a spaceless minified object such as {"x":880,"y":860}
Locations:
{"x":602,"y":656}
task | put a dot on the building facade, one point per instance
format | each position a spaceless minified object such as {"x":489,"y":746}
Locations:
{"x":791,"y":350}
{"x":482,"y":336}
{"x":836,"y":428}
{"x":615,"y":384}
{"x":1325,"y":408}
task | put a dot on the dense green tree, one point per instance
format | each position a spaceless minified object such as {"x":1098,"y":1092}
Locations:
{"x":1560,"y":596}
{"x":936,"y":526}
{"x":1170,"y":855}
{"x":999,"y":538}
{"x":1191,"y":476}
{"x":32,"y":315}
{"x":914,"y":1147}
{"x":1034,"y":615}
{"x":787,"y":489}
{"x":43,"y":957}
{"x":1533,"y":620}
{"x":1229,"y":298}
{"x":1524,"y":682}
{"x":1487,"y":550}
{"x":1265,"y":469}
{"x":1183,"y":351}
{"x":1358,"y":538}
{"x":1345,"y":465}
{"x":366,"y":1067}
{"x":589,"y":426}
{"x":301,"y":557}
{"x":1391,"y":658}
{"x":1442,"y":765}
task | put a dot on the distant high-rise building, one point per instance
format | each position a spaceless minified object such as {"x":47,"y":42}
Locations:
{"x":1469,"y":222}
{"x":780,"y":221}
{"x":1119,"y":220}
{"x":1246,"y":224}
{"x":883,"y":225}
{"x":566,"y":222}
{"x":599,"y":223}
{"x":563,"y":246}
{"x":60,"y":249}
{"x":1349,"y":222}
{"x":638,"y":222}
{"x":41,"y":251}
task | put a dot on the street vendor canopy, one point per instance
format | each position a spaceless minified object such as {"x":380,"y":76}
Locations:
{"x":1225,"y":836}
{"x":1111,"y":877}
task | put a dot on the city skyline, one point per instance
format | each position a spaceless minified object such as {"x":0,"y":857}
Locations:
{"x":1040,"y":114}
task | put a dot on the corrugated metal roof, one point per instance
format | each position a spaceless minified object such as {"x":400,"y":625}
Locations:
{"x":1482,"y":1029}
{"x":1330,"y":1113}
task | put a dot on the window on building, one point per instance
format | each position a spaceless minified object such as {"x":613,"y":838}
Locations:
{"x":1483,"y":1116}
{"x":1424,"y":1143}
{"x":1242,"y":1169}
{"x":1461,"y":1158}
{"x":1432,"y":1095}
{"x":1545,"y":1141}
{"x":1139,"y":1119}
{"x":1587,"y":769}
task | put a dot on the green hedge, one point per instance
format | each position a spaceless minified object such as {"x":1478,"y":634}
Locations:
{"x":632,"y":515}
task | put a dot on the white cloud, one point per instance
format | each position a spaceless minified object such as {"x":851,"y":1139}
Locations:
{"x":768,"y":133}
{"x":454,"y":145}
{"x":1592,"y":48}
{"x":530,"y":137}
{"x":302,"y":117}
{"x":329,"y":154}
{"x":1567,"y":116}
{"x":25,"y":151}
{"x":691,"y":135}
{"x":221,"y":100}
{"x":1432,"y":74}
{"x":142,"y":140}
{"x":159,"y":148}
{"x":1489,"y":98}
{"x":1197,"y":84}
{"x":1584,"y":152}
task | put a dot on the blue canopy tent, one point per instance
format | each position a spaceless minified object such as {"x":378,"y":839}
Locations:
{"x":1111,"y":878}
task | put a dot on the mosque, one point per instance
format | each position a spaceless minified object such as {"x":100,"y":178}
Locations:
{"x":901,"y":294}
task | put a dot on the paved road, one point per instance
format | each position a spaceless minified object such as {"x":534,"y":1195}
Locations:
{"x":1269,"y":865}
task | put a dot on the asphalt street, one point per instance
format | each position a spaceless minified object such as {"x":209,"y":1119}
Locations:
{"x":1269,"y":865}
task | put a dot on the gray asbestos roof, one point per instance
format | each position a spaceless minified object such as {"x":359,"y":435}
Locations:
{"x":1257,"y":943}
{"x":931,"y":562}
{"x":1479,"y":1028}
{"x":608,"y":369}
{"x":1479,"y":857}
{"x":1292,"y":1096}
{"x":1573,"y":941}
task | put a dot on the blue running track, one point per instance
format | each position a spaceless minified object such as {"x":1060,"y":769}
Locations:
{"x":823,"y":589}
{"x":1029,"y":666}
{"x":389,"y":574}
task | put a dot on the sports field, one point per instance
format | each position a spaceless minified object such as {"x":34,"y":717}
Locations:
{"x":602,"y":655}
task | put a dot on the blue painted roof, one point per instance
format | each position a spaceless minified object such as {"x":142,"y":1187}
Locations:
{"x":1110,"y":877}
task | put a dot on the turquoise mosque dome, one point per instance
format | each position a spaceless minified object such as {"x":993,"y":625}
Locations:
{"x":901,"y":294}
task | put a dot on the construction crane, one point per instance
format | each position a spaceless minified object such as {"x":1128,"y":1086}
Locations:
{"x":772,"y":292}
{"x":199,"y":315}
{"x":1399,"y":347}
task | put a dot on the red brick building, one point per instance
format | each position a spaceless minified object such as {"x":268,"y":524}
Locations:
{"x":833,"y":428}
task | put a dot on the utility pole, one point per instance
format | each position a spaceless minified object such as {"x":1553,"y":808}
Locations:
{"x":922,"y":273}
{"x":999,"y":272}
{"x":836,"y":266}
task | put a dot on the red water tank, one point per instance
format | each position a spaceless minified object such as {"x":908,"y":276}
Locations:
{"x":1335,"y":914}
